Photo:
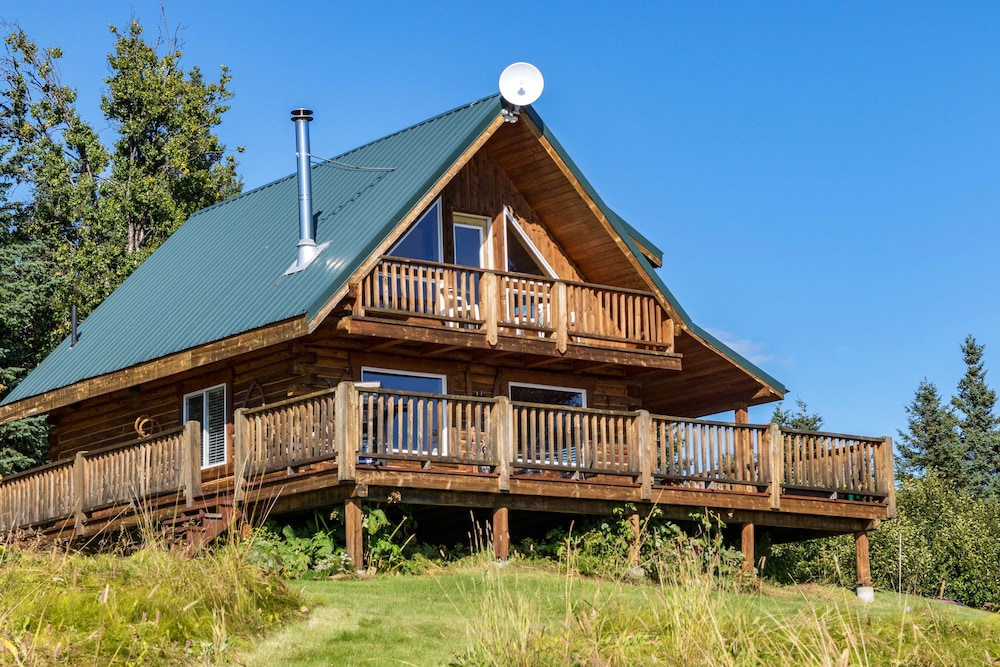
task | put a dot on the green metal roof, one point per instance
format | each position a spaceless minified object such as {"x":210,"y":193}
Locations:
{"x":219,"y":274}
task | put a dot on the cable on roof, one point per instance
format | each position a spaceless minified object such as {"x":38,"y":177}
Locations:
{"x":349,"y":167}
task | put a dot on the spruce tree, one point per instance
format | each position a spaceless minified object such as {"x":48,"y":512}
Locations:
{"x":977,"y":423}
{"x":931,"y":444}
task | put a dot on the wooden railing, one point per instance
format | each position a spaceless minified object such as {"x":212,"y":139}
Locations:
{"x":128,"y":474}
{"x":574,"y":439}
{"x":850,"y":466}
{"x":710,"y":454}
{"x":514,"y":304}
{"x":352,"y":426}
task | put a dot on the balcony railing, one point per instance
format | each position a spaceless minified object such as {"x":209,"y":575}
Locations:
{"x":348,"y":426}
{"x":512,"y":304}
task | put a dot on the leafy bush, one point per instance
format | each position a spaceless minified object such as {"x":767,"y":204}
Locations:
{"x":943,"y":541}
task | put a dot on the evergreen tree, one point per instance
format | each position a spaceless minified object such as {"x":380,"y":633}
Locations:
{"x":75,"y":217}
{"x":977,"y":423}
{"x":931,"y":444}
{"x":800,"y":419}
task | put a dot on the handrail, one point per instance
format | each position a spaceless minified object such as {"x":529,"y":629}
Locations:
{"x":349,"y":425}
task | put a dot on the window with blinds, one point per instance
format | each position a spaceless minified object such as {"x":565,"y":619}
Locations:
{"x":208,"y":407}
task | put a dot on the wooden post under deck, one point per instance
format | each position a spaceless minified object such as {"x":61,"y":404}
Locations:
{"x":501,"y":533}
{"x":354,"y":532}
{"x":634,"y":547}
{"x":861,"y":555}
{"x":747,"y":546}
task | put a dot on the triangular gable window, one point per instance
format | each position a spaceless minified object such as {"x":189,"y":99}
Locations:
{"x":423,"y":241}
{"x":522,"y":255}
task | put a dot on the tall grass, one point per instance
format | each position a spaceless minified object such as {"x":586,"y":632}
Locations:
{"x":701,"y":614}
{"x":149,"y":606}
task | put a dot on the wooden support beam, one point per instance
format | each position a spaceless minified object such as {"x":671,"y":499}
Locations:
{"x":80,"y":479}
{"x":747,"y":546}
{"x":489,"y":300}
{"x":861,"y":556}
{"x":644,"y":428}
{"x":502,"y":440}
{"x":776,"y":464}
{"x":347,"y":433}
{"x":501,"y":533}
{"x":192,"y":461}
{"x":353,"y":531}
{"x":635,"y":544}
{"x":239,"y":454}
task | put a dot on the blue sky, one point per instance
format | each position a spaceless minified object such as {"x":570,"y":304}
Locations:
{"x":823,"y":177}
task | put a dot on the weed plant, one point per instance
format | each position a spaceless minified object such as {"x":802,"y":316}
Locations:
{"x":146,"y":605}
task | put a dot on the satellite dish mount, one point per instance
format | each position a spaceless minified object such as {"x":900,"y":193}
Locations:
{"x":520,"y":85}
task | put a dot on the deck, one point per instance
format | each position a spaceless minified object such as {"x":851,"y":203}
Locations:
{"x":354,"y":445}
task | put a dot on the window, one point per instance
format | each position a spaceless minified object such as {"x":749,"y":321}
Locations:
{"x":423,"y":240}
{"x":208,"y":407}
{"x":547,"y":394}
{"x":548,"y":436}
{"x":522,"y":255}
{"x":471,"y":247}
{"x":401,"y":425}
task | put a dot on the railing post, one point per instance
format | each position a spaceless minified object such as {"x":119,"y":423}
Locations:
{"x":560,"y":316}
{"x":192,"y":461}
{"x":776,"y":459}
{"x":346,"y":431}
{"x":490,"y":303}
{"x":644,"y":433}
{"x":239,"y":454}
{"x":668,"y":333}
{"x":79,"y":491}
{"x":886,"y":478}
{"x":502,"y":429}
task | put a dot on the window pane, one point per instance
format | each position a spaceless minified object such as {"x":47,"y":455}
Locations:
{"x":215,"y":430}
{"x":469,"y":246}
{"x":519,"y":258}
{"x":402,"y":425}
{"x":423,"y":240}
{"x":570,"y":398}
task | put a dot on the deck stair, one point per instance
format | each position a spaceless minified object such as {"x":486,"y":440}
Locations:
{"x":197,"y":526}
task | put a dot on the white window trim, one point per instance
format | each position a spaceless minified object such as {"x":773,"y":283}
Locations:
{"x":204,"y":425}
{"x":440,"y":235}
{"x":482,"y":223}
{"x":531,"y":247}
{"x":529,"y":385}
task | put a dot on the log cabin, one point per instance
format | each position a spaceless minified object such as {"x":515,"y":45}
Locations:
{"x":450,"y":317}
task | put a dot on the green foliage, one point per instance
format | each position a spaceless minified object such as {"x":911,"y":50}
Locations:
{"x":800,"y":419}
{"x":76,"y":217}
{"x":978,"y":424}
{"x":310,"y":551}
{"x":931,"y":443}
{"x":151,"y":607}
{"x":943,"y":540}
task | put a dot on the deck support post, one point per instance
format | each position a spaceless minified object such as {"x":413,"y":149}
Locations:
{"x":239,"y":455}
{"x":747,"y":546}
{"x":346,"y":431}
{"x":501,"y":435}
{"x":776,"y":464}
{"x":489,"y":300}
{"x":560,"y":316}
{"x":192,"y":461}
{"x":501,"y":533}
{"x":353,"y":529}
{"x":79,"y":492}
{"x":865,"y":591}
{"x":635,"y":544}
{"x":645,"y":440}
{"x":886,"y":474}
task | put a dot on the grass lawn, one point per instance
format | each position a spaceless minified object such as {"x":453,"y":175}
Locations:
{"x":523,"y":615}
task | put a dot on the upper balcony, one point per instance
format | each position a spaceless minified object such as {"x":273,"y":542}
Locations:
{"x":410,"y":299}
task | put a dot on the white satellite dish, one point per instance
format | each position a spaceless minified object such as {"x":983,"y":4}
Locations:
{"x":521,"y":84}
